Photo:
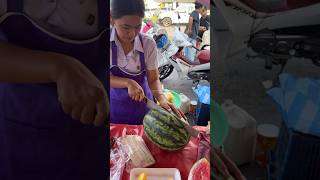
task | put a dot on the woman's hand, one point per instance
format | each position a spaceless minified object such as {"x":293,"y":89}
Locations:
{"x":80,"y":93}
{"x":135,"y":91}
{"x":171,"y":108}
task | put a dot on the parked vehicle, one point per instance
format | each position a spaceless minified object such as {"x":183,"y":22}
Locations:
{"x":275,"y":32}
{"x":171,"y":58}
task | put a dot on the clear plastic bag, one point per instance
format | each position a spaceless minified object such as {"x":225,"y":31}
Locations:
{"x":140,"y":155}
{"x":129,"y":152}
{"x":119,"y":156}
{"x":180,"y":39}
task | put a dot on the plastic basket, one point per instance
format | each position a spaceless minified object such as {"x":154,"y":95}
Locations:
{"x":296,"y":156}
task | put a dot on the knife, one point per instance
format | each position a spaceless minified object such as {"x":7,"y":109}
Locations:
{"x":152,"y":105}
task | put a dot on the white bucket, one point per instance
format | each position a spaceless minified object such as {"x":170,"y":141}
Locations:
{"x":240,"y":144}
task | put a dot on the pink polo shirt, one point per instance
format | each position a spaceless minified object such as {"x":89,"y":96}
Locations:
{"x":131,"y":62}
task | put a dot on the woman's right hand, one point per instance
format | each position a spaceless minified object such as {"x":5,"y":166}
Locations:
{"x":135,"y":91}
{"x":80,"y":93}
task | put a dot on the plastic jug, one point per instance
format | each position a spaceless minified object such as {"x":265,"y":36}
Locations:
{"x":240,"y":143}
{"x":185,"y":103}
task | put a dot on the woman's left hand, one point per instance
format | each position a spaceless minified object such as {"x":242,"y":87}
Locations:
{"x":171,"y":108}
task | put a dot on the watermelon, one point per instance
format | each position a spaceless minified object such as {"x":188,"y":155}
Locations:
{"x":165,"y":130}
{"x":200,"y":170}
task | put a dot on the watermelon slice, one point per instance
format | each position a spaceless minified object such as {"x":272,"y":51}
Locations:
{"x":200,"y":170}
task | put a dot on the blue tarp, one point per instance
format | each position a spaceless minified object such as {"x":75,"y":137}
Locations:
{"x":298,"y":100}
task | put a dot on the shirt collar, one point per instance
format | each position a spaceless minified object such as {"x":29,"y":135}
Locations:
{"x":137,"y":43}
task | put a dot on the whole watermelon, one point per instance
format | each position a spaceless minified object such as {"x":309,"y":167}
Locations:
{"x":165,"y":130}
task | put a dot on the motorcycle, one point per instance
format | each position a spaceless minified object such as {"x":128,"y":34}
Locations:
{"x":275,"y":31}
{"x":171,"y":57}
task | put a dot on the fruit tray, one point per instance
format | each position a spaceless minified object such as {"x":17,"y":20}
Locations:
{"x":156,"y":173}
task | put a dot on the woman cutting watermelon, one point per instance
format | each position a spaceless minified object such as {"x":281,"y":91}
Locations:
{"x":133,"y":65}
{"x":53,"y":90}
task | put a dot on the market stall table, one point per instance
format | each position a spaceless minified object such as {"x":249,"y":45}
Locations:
{"x":182,"y":159}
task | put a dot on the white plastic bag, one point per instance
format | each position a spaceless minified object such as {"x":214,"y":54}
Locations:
{"x":119,"y":156}
{"x":180,"y":39}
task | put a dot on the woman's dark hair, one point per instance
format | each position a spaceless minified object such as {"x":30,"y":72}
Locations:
{"x":121,"y":8}
{"x":198,"y":5}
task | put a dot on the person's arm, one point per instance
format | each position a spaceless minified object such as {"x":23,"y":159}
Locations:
{"x":155,"y":86}
{"x":21,"y":65}
{"x":135,"y":91}
{"x":118,"y":82}
{"x":80,"y":93}
{"x":190,"y":25}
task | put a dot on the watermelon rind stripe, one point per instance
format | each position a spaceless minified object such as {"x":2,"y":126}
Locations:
{"x":177,"y":132}
{"x":160,"y":137}
{"x":165,"y":130}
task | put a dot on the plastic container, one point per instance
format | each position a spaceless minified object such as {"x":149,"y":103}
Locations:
{"x":240,"y":143}
{"x":176,"y":100}
{"x":193,"y":107}
{"x":156,"y":173}
{"x":266,"y":140}
{"x":185,"y":103}
{"x":296,"y":156}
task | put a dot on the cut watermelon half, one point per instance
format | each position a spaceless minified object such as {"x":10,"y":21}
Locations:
{"x":200,"y":170}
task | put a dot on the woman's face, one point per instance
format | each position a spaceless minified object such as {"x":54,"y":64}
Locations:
{"x":128,"y":27}
{"x":203,"y":12}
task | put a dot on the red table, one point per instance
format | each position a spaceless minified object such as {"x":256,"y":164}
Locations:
{"x":182,"y":159}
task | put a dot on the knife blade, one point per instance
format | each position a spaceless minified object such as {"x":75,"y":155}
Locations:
{"x":152,"y":105}
{"x":192,"y":131}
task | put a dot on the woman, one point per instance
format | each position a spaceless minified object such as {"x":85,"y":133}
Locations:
{"x":134,"y":74}
{"x":53,"y":90}
{"x":204,"y":22}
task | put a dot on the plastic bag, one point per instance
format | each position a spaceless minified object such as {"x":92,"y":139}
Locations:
{"x":131,"y":152}
{"x":119,"y":156}
{"x":180,"y":39}
{"x":140,"y":156}
{"x":203,"y":93}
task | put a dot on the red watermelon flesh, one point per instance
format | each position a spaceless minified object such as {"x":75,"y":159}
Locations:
{"x":200,"y":170}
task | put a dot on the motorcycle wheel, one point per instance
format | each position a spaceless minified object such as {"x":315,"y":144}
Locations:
{"x":165,"y":71}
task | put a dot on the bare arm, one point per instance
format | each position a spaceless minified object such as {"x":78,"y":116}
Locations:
{"x":155,"y":86}
{"x":190,"y":24}
{"x":118,"y":82}
{"x":135,"y":91}
{"x":21,"y":65}
{"x":80,"y":93}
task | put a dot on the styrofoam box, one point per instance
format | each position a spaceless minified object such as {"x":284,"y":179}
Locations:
{"x":156,"y":173}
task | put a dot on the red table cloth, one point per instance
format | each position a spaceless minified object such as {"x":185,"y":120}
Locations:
{"x":182,"y":159}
